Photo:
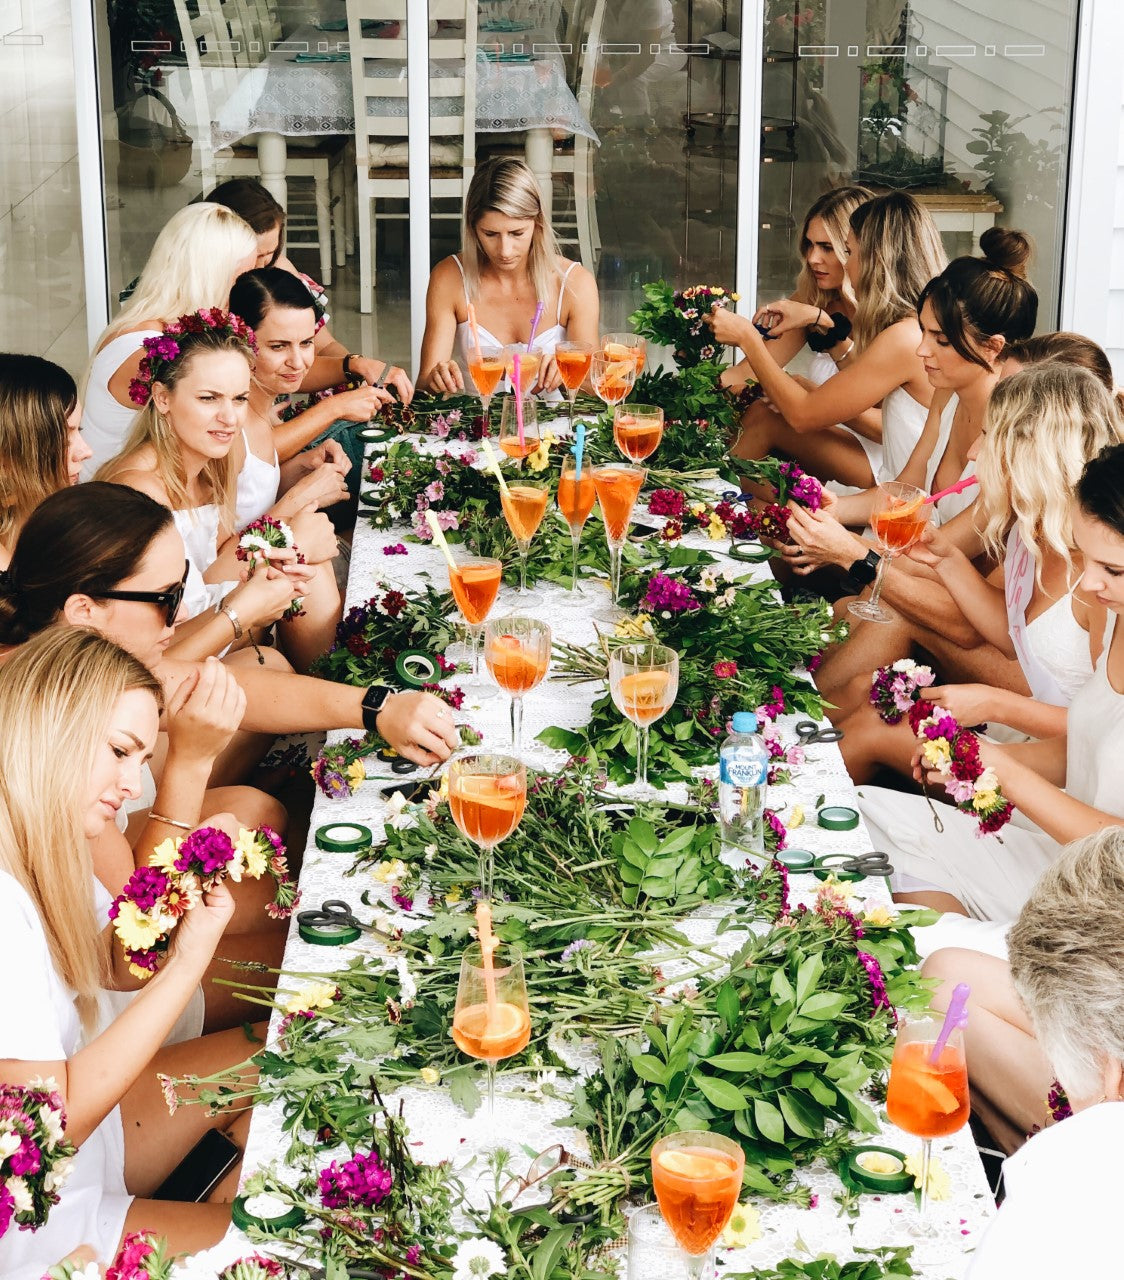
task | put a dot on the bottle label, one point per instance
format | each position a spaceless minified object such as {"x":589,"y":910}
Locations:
{"x":741,"y":773}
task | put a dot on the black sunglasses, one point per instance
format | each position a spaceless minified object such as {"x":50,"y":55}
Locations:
{"x":169,"y":601}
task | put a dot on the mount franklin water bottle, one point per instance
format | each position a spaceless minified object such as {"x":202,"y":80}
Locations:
{"x":743,"y":765}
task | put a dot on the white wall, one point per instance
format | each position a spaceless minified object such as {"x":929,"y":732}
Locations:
{"x":1113,"y":339}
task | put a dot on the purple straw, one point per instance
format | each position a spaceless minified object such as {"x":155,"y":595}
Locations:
{"x":955,"y":1019}
{"x":535,"y":325}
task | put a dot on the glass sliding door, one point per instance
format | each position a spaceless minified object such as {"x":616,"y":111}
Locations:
{"x":967,"y":107}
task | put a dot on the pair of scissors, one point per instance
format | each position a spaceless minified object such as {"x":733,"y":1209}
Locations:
{"x":398,"y":764}
{"x":874,"y":863}
{"x":333,"y":914}
{"x":809,"y":732}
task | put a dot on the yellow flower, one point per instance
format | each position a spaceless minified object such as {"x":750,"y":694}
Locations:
{"x":984,"y":800}
{"x":879,"y":915}
{"x":136,"y":930}
{"x":743,"y":1228}
{"x":715,"y":530}
{"x":795,"y":817}
{"x":317,"y":995}
{"x":386,"y":872}
{"x":248,"y":858}
{"x":697,"y":508}
{"x":165,"y":854}
{"x":430,"y":1075}
{"x":453,"y":896}
{"x":940,"y":1185}
{"x":540,"y":459}
{"x":936,"y":753}
{"x":356,"y":773}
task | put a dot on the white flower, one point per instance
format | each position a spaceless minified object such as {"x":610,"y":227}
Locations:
{"x":52,"y":1123}
{"x":988,"y":780}
{"x":397,"y":814}
{"x":904,"y":664}
{"x":253,"y":542}
{"x":10,"y":1143}
{"x":430,"y":852}
{"x":407,"y":985}
{"x":58,"y":1174}
{"x":477,"y":1259}
{"x":21,"y":1196}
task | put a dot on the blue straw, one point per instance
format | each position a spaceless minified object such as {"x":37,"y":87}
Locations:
{"x":577,"y":449}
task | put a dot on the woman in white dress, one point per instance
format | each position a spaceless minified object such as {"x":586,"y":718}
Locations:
{"x":196,"y":258}
{"x":894,"y":249}
{"x":508,"y":263}
{"x":180,"y":453}
{"x":72,"y":695}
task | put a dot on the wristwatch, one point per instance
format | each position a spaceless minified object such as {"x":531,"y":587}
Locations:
{"x":347,"y":365}
{"x":372,"y":704}
{"x":866,"y":569}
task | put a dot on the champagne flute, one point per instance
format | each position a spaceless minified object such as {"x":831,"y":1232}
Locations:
{"x":575,"y":500}
{"x":529,"y":362}
{"x":899,"y":519}
{"x":517,"y":651}
{"x":486,"y":368}
{"x":626,"y":346}
{"x":697,"y":1178}
{"x":612,"y":379}
{"x":643,"y":682}
{"x":475,"y":582}
{"x":524,"y":505}
{"x":927,"y":1098}
{"x":492,"y":1019}
{"x":573,"y":360}
{"x":638,"y":430}
{"x":518,"y":446}
{"x":617,"y":489}
{"x":487,"y":796}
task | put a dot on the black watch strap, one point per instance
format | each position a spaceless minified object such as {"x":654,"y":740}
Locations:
{"x":372,"y":704}
{"x":347,"y":365}
{"x":866,"y":569}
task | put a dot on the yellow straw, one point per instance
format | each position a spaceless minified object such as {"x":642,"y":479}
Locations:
{"x":495,"y":467}
{"x":475,"y":330}
{"x":439,"y":538}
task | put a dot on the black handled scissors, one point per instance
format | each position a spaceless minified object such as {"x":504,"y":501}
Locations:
{"x":398,"y":764}
{"x":333,"y":914}
{"x":808,"y":732}
{"x":873,"y":863}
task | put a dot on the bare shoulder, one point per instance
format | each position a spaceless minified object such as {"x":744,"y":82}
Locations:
{"x":138,"y":471}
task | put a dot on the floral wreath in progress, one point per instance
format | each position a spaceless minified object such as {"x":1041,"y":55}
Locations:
{"x":164,"y":350}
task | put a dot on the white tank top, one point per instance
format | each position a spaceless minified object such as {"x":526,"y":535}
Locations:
{"x":821,"y":367}
{"x":105,"y":423}
{"x":955,"y":502}
{"x":257,"y":488}
{"x":1053,"y":650}
{"x":903,"y":420}
{"x":1095,"y":729}
{"x":199,"y":529}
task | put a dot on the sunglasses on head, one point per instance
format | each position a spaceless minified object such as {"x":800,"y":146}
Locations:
{"x":169,"y":600}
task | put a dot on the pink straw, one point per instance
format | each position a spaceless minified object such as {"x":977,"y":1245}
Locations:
{"x":475,"y":330}
{"x":958,"y":487}
{"x":518,"y":396}
{"x":534,"y":325}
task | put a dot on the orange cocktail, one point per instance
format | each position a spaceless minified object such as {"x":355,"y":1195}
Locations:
{"x":898,"y":520}
{"x":516,"y":666}
{"x":529,"y":362}
{"x":626,"y":346}
{"x":491,"y":1017}
{"x":487,"y":807}
{"x":643,"y":682}
{"x":612,"y":379}
{"x":499,"y":1033}
{"x":925,"y":1098}
{"x":646,"y":695}
{"x":617,"y":490}
{"x":638,"y":430}
{"x":475,"y":584}
{"x":898,"y":530}
{"x":573,"y":365}
{"x":576,"y":496}
{"x":524,"y":506}
{"x":697,"y":1178}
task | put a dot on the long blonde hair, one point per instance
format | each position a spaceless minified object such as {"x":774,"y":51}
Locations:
{"x":834,"y":209}
{"x":1041,"y":427}
{"x":509,"y":187}
{"x":36,"y":397}
{"x":900,"y":251}
{"x":191,"y":267}
{"x":151,"y":427}
{"x":57,"y":693}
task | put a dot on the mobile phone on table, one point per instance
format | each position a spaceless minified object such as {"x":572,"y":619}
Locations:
{"x":201,"y":1170}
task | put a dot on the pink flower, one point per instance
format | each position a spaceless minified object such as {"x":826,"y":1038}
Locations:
{"x":725,"y":670}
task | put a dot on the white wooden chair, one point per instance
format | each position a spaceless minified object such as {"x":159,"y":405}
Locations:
{"x":381,"y":123}
{"x":216,"y":36}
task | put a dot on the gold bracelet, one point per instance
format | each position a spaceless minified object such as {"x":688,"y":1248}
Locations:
{"x":170,"y":822}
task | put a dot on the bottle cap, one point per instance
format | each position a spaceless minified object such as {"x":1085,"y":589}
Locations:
{"x":745,"y":721}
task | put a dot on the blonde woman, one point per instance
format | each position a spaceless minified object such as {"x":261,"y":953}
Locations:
{"x":508,"y":263}
{"x":196,"y":258}
{"x":1042,"y":426}
{"x":41,"y":445}
{"x":70,"y":695}
{"x":893,"y":250}
{"x":180,"y":453}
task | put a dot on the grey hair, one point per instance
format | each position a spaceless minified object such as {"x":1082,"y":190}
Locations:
{"x":1067,"y":962}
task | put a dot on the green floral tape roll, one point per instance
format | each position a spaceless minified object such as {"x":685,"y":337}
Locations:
{"x":343,"y":837}
{"x":415,"y":667}
{"x":879,"y":1169}
{"x":832,"y":864}
{"x":796,"y":859}
{"x":838,"y":817}
{"x":741,"y":551}
{"x":244,"y":1219}
{"x":333,"y":935}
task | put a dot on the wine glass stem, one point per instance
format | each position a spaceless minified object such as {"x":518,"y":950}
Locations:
{"x":923,"y":1209}
{"x":572,"y":396}
{"x":877,"y":591}
{"x":524,"y":547}
{"x":516,"y":725}
{"x":575,"y":538}
{"x":615,"y":569}
{"x":642,"y":757}
{"x":699,"y":1265}
{"x":491,"y":1068}
{"x":486,"y":408}
{"x":475,"y":631}
{"x":487,"y":869}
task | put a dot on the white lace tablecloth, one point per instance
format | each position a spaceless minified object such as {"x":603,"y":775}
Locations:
{"x":298,"y":99}
{"x":441,"y":1131}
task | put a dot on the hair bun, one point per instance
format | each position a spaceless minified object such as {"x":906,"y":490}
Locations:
{"x":1007,"y":248}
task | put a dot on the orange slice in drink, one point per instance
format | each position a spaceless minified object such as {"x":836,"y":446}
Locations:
{"x":503,"y":1024}
{"x":696,"y":1165}
{"x":617,"y":351}
{"x":939,"y":1095}
{"x":644,"y":694}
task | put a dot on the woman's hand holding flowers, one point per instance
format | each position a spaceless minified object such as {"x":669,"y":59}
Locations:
{"x":820,"y":539}
{"x":418,"y":726}
{"x":786,"y":314}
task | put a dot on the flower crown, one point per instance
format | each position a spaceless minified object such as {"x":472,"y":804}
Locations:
{"x":163,"y":351}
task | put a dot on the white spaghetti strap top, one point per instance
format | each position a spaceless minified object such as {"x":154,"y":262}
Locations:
{"x":903,"y":420}
{"x":258,"y":485}
{"x":105,"y":423}
{"x":954,"y":503}
{"x":1053,"y":650}
{"x":821,"y":367}
{"x":545,"y":340}
{"x":199,"y":529}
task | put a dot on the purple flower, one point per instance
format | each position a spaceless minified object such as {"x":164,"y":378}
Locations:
{"x":145,"y":887}
{"x":877,"y":981}
{"x":413,"y":1254}
{"x":666,"y":594}
{"x":362,"y":1180}
{"x":205,"y":852}
{"x":396,"y":549}
{"x":401,"y":900}
{"x":7,"y":1208}
{"x":582,"y":944}
{"x":27,"y":1159}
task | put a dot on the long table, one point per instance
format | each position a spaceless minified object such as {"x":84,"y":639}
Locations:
{"x":443,"y":1132}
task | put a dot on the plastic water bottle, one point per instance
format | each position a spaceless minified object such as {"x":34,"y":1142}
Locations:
{"x":743,"y":765}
